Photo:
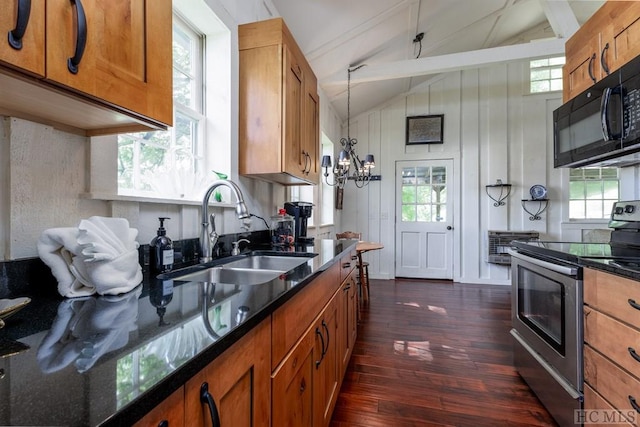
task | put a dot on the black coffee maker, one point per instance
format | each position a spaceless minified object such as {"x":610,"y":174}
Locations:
{"x":300,"y":211}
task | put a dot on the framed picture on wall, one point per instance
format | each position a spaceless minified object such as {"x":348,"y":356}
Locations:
{"x":425,"y":129}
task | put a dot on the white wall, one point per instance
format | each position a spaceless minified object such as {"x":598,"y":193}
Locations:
{"x":492,"y":130}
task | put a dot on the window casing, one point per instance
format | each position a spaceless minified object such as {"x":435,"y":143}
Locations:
{"x":545,"y":75}
{"x":172,"y":164}
{"x":592,"y":192}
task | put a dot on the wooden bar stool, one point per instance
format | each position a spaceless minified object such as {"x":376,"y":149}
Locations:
{"x":363,"y":266}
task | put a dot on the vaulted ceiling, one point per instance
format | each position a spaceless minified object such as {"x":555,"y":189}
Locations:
{"x":338,"y":34}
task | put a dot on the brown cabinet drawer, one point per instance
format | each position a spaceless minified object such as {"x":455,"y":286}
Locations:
{"x":617,"y":341}
{"x":612,"y":295}
{"x":611,"y":382}
{"x":291,"y":320}
{"x":598,"y":412}
{"x":347,"y":264}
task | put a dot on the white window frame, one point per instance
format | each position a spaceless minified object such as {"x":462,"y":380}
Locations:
{"x":175,"y":178}
{"x":551,"y":67}
{"x":602,"y":199}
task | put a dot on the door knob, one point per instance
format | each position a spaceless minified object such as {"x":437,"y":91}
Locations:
{"x":449,"y":227}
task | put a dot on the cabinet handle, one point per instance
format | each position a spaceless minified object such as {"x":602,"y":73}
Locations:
{"x":346,"y":265}
{"x":326,"y":328}
{"x":346,"y":288}
{"x":307,"y":163}
{"x":633,"y":402}
{"x":81,"y":41}
{"x":205,"y":397}
{"x":633,"y":354}
{"x":322,"y":342}
{"x":590,"y":68}
{"x":163,"y":423}
{"x":15,"y":35}
{"x":603,"y":61}
{"x":633,"y":304}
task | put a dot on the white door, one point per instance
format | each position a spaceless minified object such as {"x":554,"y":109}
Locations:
{"x":424,"y":219}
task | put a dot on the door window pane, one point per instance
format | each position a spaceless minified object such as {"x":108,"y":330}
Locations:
{"x":424,"y":194}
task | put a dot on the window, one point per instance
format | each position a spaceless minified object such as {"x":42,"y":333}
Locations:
{"x":592,"y":192}
{"x":178,"y":163}
{"x":545,"y":75}
{"x":327,"y":193}
{"x":424,"y":194}
{"x":322,"y":196}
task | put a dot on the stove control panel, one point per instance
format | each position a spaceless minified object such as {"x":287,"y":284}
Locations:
{"x":626,"y":211}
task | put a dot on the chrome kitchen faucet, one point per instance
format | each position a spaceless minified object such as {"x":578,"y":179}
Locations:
{"x":206,"y":237}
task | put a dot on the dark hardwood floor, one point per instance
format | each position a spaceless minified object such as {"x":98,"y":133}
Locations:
{"x":433,"y":353}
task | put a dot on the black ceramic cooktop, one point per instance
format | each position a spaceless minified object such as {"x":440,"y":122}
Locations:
{"x":608,"y":255}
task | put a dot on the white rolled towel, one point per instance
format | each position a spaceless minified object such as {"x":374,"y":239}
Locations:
{"x":59,"y":249}
{"x":101,"y":255}
{"x":110,"y":252}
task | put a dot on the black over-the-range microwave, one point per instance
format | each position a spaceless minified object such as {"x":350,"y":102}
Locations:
{"x":601,"y":126}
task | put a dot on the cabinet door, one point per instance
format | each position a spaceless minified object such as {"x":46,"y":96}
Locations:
{"x":348,"y":327}
{"x":612,"y":383}
{"x":171,"y":411}
{"x":127,"y":59}
{"x":311,"y":128}
{"x":582,"y":68}
{"x":239,"y":384}
{"x":327,"y":370}
{"x":28,"y":55}
{"x":292,"y":384}
{"x":294,"y":159}
{"x":624,"y":30}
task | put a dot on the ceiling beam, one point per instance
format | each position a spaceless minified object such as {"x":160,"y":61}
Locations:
{"x":561,"y":17}
{"x":452,"y":62}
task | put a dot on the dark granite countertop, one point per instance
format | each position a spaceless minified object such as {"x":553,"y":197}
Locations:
{"x":630,"y":270}
{"x":108,"y":360}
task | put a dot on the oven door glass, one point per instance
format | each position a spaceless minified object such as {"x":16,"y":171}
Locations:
{"x":541,"y":307}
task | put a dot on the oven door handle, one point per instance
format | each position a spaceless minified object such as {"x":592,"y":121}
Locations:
{"x":562,"y":269}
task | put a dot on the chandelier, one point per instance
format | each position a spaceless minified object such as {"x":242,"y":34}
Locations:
{"x":348,"y":156}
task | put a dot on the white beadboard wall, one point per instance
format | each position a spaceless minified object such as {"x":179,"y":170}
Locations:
{"x":493,"y":130}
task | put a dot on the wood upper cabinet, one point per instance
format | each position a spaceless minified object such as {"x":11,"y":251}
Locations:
{"x":22,"y":25}
{"x":124,"y":61}
{"x":608,"y":40}
{"x":279,"y":106}
{"x":120,"y":79}
{"x":238,"y":382}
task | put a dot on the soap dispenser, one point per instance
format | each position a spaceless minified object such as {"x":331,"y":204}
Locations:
{"x":161,"y":250}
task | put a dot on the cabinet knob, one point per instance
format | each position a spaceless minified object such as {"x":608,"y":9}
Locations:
{"x":163,"y":423}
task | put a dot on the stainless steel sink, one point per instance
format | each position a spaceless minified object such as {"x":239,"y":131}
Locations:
{"x":235,"y":276}
{"x":252,"y":270}
{"x":268,"y":262}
